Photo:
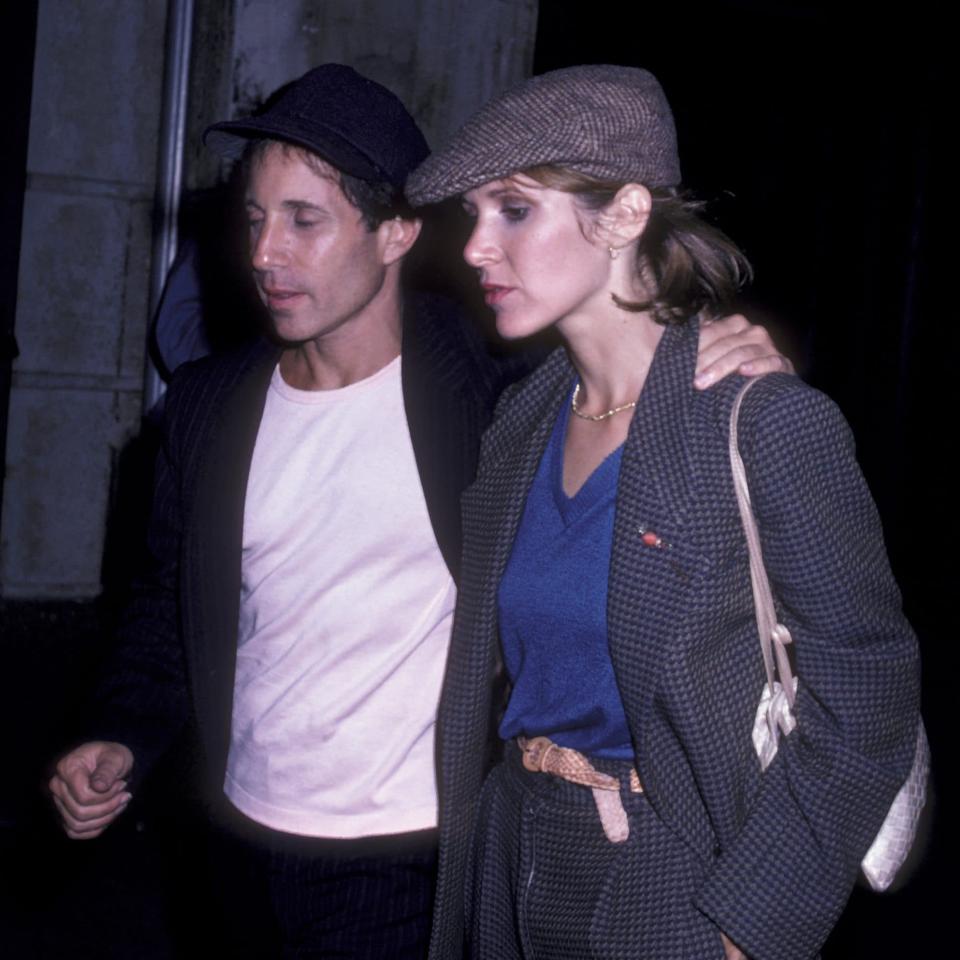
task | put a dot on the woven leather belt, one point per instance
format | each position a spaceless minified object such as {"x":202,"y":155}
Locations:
{"x":542,"y":755}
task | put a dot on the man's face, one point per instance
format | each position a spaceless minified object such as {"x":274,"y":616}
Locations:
{"x":317,"y":267}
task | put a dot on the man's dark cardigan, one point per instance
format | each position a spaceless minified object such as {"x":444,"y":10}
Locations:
{"x":177,"y":648}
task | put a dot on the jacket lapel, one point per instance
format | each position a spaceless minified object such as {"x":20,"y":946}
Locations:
{"x":492,"y":509}
{"x":215,"y":539}
{"x":515,"y":453}
{"x":654,"y":562}
{"x":446,"y":412}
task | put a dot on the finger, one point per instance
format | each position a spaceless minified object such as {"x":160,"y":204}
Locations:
{"x":731,"y":950}
{"x":90,"y":809}
{"x":85,"y":828}
{"x":84,"y":818}
{"x":109,"y":769}
{"x":77,"y":781}
{"x":741,"y":355}
{"x":715,"y":367}
{"x":80,"y":828}
{"x":768,"y":364}
{"x":85,"y":833}
{"x":712,"y":347}
{"x":711,"y":330}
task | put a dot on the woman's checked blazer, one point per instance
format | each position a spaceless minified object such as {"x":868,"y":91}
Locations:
{"x":780,"y":849}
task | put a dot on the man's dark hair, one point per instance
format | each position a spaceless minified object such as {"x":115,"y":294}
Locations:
{"x":376,"y":200}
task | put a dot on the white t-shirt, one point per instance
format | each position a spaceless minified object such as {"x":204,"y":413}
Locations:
{"x":345,"y":615}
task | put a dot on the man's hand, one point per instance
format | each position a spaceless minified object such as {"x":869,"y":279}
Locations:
{"x":732,"y":951}
{"x":734,"y":345}
{"x":90,"y":787}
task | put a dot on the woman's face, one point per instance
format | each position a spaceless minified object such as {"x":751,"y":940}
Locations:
{"x":532,"y":247}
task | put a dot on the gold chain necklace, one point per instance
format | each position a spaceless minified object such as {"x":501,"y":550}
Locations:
{"x":596,"y":417}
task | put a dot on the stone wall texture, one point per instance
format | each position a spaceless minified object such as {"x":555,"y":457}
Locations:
{"x":82,"y":289}
{"x":83,"y":293}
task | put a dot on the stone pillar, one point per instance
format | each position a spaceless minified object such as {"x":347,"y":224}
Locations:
{"x":83,"y":285}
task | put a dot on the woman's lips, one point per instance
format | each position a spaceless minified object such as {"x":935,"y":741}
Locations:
{"x":493,"y":293}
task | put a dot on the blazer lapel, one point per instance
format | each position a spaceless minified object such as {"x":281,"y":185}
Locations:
{"x":494,"y":504}
{"x":446,"y":412}
{"x":653,"y":560}
{"x":515,"y":454}
{"x":215,"y":538}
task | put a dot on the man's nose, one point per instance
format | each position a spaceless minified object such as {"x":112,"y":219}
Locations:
{"x":267,"y":247}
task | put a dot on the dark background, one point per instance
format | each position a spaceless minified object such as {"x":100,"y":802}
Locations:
{"x":818,"y":133}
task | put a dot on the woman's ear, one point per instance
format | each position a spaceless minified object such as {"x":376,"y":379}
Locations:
{"x":625,"y":218}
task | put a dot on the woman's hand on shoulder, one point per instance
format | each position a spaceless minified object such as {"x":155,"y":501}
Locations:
{"x":734,"y":345}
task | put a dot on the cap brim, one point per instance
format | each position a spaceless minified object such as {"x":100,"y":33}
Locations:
{"x":230,"y":138}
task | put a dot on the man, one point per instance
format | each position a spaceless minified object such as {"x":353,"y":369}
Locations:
{"x":306,"y":540}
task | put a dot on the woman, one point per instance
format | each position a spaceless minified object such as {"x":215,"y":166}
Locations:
{"x":604,"y":560}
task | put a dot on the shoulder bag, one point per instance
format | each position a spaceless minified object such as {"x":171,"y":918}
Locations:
{"x":775,"y":711}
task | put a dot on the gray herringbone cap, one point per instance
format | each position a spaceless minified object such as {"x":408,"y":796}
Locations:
{"x":609,"y":122}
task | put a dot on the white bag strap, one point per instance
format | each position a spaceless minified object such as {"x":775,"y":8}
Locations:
{"x":893,"y":842}
{"x":774,"y":636}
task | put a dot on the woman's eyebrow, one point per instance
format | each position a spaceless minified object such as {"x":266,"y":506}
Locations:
{"x":508,"y":189}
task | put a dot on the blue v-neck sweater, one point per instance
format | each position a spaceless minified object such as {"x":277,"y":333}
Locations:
{"x":553,"y":618}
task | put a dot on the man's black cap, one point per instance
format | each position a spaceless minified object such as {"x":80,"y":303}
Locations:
{"x":353,"y":123}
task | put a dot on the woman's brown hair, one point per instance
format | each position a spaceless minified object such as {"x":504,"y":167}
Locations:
{"x":691,"y":265}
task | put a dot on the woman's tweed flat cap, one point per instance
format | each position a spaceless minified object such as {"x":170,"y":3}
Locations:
{"x":609,"y":122}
